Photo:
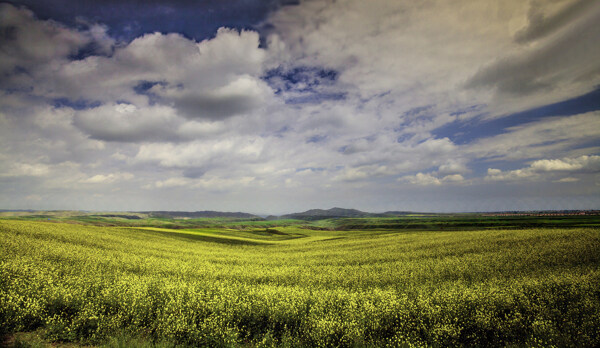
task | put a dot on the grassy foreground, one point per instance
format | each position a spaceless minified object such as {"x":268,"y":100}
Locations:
{"x":288,"y":286}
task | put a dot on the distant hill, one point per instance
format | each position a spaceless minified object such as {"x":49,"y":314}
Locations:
{"x":16,"y":210}
{"x":202,"y":214}
{"x":319,"y":214}
{"x":122,"y":216}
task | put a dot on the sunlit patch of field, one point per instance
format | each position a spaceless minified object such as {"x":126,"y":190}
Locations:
{"x":290,"y":286}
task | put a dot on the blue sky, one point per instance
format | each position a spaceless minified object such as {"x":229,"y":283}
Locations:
{"x":127,"y":20}
{"x":272,"y":107}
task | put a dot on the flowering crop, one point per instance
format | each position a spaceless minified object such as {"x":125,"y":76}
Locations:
{"x":87,"y":284}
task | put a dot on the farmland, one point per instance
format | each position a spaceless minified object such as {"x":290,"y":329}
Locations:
{"x":415,"y":281}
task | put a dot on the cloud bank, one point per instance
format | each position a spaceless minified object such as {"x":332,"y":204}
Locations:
{"x":325,"y":103}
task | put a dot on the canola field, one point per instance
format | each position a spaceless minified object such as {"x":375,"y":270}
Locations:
{"x":294,"y":287}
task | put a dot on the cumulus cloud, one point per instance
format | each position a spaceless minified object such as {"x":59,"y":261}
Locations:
{"x":430,"y":179}
{"x":583,"y":163}
{"x":335,"y":96}
{"x":128,"y":123}
{"x":494,"y":174}
{"x":212,"y":79}
{"x":161,"y":87}
{"x":422,"y":179}
{"x":453,"y":178}
{"x":33,"y":132}
{"x":211,"y":183}
{"x":363,"y":172}
{"x":209,"y":80}
{"x":537,"y":169}
{"x":202,"y":154}
{"x":359,"y":145}
{"x":241,"y":96}
{"x":107,"y":178}
{"x":27,"y":42}
{"x":32,"y":47}
{"x":26,"y":169}
{"x":52,"y":175}
{"x":568,"y":179}
{"x":453,"y":167}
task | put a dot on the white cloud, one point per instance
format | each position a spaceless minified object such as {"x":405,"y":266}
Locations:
{"x":213,"y":153}
{"x":453,"y":167}
{"x":210,"y":183}
{"x":453,"y":178}
{"x":243,"y":95}
{"x":128,"y":123}
{"x":363,"y":172}
{"x":169,"y":113}
{"x":418,"y":52}
{"x":26,"y":169}
{"x":119,"y":156}
{"x":57,"y":175}
{"x":215,"y":78}
{"x":540,"y":169}
{"x":539,"y":139}
{"x":430,"y":179}
{"x":517,"y":174}
{"x":28,"y":41}
{"x":569,"y":179}
{"x":422,"y":179}
{"x":173,"y":182}
{"x":405,"y":55}
{"x":107,"y":178}
{"x":568,"y":164}
{"x":209,"y":80}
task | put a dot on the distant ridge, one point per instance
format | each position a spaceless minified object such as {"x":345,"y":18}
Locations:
{"x":319,"y":214}
{"x":309,"y":215}
{"x":17,"y":210}
{"x":201,"y":214}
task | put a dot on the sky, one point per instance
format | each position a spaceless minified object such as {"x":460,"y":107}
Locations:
{"x":273,"y":107}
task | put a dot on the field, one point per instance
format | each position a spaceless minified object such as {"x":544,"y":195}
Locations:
{"x":461,"y":281}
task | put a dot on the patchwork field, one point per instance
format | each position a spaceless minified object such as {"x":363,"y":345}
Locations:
{"x":290,"y":285}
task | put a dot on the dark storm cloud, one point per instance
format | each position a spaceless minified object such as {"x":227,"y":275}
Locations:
{"x":126,"y":123}
{"x":215,"y":107}
{"x":540,"y":26}
{"x":26,"y":42}
{"x":572,"y":54}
